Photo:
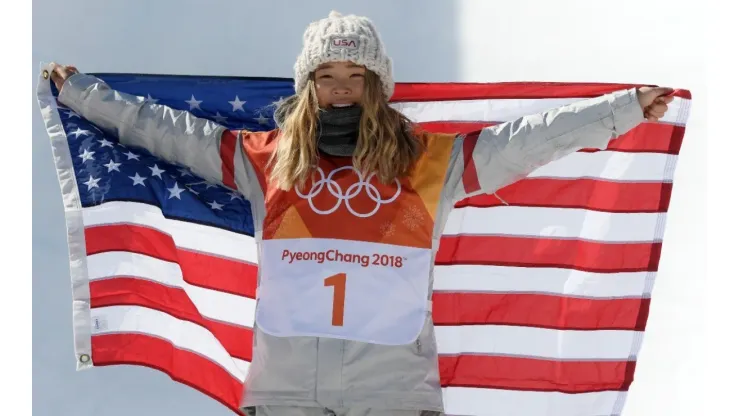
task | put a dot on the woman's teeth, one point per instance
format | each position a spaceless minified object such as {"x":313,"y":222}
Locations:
{"x":341,"y":105}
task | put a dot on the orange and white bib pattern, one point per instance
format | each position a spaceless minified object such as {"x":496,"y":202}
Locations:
{"x":348,"y":257}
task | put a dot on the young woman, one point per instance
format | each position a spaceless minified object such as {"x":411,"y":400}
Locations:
{"x":350,"y":199}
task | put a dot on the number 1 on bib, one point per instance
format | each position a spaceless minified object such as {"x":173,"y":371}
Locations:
{"x":339,"y":281}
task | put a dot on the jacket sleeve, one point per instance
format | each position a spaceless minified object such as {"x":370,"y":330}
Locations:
{"x":207,"y":148}
{"x":505,"y":153}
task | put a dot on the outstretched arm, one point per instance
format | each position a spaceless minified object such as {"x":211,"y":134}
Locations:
{"x":207,"y":148}
{"x":505,"y":153}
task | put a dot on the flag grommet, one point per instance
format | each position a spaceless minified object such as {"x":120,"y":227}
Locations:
{"x":84,"y":358}
{"x":46,"y":74}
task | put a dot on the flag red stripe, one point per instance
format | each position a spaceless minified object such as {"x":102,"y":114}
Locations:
{"x":217,"y":273}
{"x":131,"y":238}
{"x":228,"y":150}
{"x":521,"y":373}
{"x":452,"y":127}
{"x":592,"y":194}
{"x":182,"y":366}
{"x":413,"y":91}
{"x":647,"y":137}
{"x":470,"y":172}
{"x":538,"y":310}
{"x":174,"y":301}
{"x":514,"y":373}
{"x":545,"y":252}
{"x":198,"y":269}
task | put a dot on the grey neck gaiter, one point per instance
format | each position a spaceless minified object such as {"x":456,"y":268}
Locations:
{"x":338,"y":130}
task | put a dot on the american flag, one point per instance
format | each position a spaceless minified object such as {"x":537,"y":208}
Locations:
{"x":541,"y":293}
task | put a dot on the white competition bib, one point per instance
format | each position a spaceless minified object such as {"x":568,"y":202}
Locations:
{"x":352,"y":290}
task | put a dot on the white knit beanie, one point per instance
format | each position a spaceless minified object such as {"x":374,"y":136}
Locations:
{"x":343,"y":38}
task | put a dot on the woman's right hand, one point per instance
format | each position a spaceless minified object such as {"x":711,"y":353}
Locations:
{"x":60,"y":73}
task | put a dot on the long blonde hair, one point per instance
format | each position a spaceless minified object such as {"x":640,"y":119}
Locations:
{"x":386,"y":144}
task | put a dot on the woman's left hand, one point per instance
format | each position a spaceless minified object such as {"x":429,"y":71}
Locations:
{"x":654,"y":101}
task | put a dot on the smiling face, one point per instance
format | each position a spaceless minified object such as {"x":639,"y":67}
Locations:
{"x":339,"y":84}
{"x":386,"y":142}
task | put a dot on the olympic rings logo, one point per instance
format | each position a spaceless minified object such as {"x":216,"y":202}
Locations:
{"x":333,"y":187}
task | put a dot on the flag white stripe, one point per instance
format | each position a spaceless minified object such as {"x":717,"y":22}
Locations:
{"x":568,"y":223}
{"x":536,"y":342}
{"x":501,"y":279}
{"x":610,"y":166}
{"x":496,"y":402}
{"x":458,"y":400}
{"x":495,"y":110}
{"x":480,"y":339}
{"x":212,"y":304}
{"x":185,"y":234}
{"x":241,"y":365}
{"x":182,"y":334}
{"x":200,"y":238}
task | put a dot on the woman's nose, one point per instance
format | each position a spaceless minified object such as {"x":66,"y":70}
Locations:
{"x":342,"y":90}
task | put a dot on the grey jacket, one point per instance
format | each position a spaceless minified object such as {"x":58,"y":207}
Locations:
{"x":307,"y":371}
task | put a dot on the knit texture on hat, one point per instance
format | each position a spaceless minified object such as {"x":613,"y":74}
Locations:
{"x":343,"y":38}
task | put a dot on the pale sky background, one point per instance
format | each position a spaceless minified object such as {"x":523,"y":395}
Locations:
{"x":641,"y":41}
